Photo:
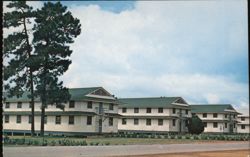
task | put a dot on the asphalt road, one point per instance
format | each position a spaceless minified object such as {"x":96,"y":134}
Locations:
{"x":103,"y":151}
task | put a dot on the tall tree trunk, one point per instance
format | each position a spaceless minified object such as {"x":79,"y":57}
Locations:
{"x":31,"y":82}
{"x":42,"y":120}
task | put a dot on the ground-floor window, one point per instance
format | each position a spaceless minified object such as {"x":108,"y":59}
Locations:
{"x":30,"y":119}
{"x":160,"y":121}
{"x":124,"y":121}
{"x":243,"y":126}
{"x":45,"y":119}
{"x":225,"y":125}
{"x":205,"y":124}
{"x":110,"y":121}
{"x":18,"y":119}
{"x":173,"y":122}
{"x":6,"y":118}
{"x":215,"y":124}
{"x":136,"y":121}
{"x":58,"y":119}
{"x":234,"y":125}
{"x":89,"y":120}
{"x":71,"y":120}
{"x":148,"y":121}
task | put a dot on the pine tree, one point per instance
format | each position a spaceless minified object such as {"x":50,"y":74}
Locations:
{"x":17,"y":48}
{"x":55,"y":29}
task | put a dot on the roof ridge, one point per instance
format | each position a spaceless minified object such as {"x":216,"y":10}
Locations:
{"x":150,"y":97}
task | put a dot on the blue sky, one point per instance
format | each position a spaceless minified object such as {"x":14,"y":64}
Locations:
{"x":194,"y":49}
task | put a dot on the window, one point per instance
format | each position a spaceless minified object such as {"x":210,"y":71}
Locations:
{"x":186,"y":111}
{"x":7,"y":118}
{"x":89,"y":104}
{"x":215,"y":124}
{"x":160,"y":121}
{"x":160,"y":110}
{"x":234,"y":116}
{"x":225,"y":125}
{"x":136,"y":121}
{"x":45,"y":119}
{"x":30,"y":119}
{"x":173,"y":122}
{"x":7,"y":105}
{"x":71,"y":104}
{"x":19,"y":104}
{"x":71,"y":120}
{"x":225,"y":115}
{"x":136,"y":110}
{"x":215,"y":115}
{"x":204,"y":115}
{"x":186,"y":123}
{"x":18,"y":119}
{"x":58,"y":119}
{"x":242,"y":118}
{"x":124,"y":121}
{"x":110,"y":121}
{"x":89,"y":120}
{"x":124,"y":110}
{"x":111,"y":106}
{"x":148,"y":110}
{"x":205,"y":124}
{"x":30,"y":105}
{"x":173,"y":110}
{"x":243,"y":127}
{"x":234,"y":125}
{"x":148,"y":121}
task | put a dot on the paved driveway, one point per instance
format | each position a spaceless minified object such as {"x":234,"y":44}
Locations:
{"x":102,"y":151}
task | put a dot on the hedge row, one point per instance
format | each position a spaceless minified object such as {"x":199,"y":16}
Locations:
{"x":236,"y":137}
{"x":40,"y":142}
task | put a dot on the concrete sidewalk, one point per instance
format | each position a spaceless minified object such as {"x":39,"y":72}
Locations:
{"x":103,"y":151}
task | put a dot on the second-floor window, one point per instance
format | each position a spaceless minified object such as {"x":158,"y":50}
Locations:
{"x":160,"y":121}
{"x":124,"y":121}
{"x":18,"y":119}
{"x":215,"y":124}
{"x":58,"y":119}
{"x":6,"y":118}
{"x":148,"y":110}
{"x":124,"y":110}
{"x":71,"y":120}
{"x":174,"y":111}
{"x":19,"y":104}
{"x":186,"y":111}
{"x":160,"y":110}
{"x":225,"y":115}
{"x":242,"y":118}
{"x":71,"y":104}
{"x":136,"y":121}
{"x":136,"y":110}
{"x":89,"y":120}
{"x":110,"y":121}
{"x":148,"y":121}
{"x":225,"y":125}
{"x":111,"y":106}
{"x":89,"y":104}
{"x":7,"y":105}
{"x":204,"y":115}
{"x":215,"y":115}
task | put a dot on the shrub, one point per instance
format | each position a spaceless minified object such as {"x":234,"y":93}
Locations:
{"x":195,"y":125}
{"x":107,"y":143}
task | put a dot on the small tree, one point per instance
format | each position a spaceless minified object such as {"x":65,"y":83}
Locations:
{"x":195,"y":125}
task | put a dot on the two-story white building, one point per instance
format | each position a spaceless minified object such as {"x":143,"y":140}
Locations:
{"x":217,"y":118}
{"x":244,"y":124}
{"x":158,"y":114}
{"x":89,"y":111}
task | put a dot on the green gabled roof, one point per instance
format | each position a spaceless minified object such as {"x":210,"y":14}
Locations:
{"x":211,"y":108}
{"x":165,"y":102}
{"x":76,"y":94}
